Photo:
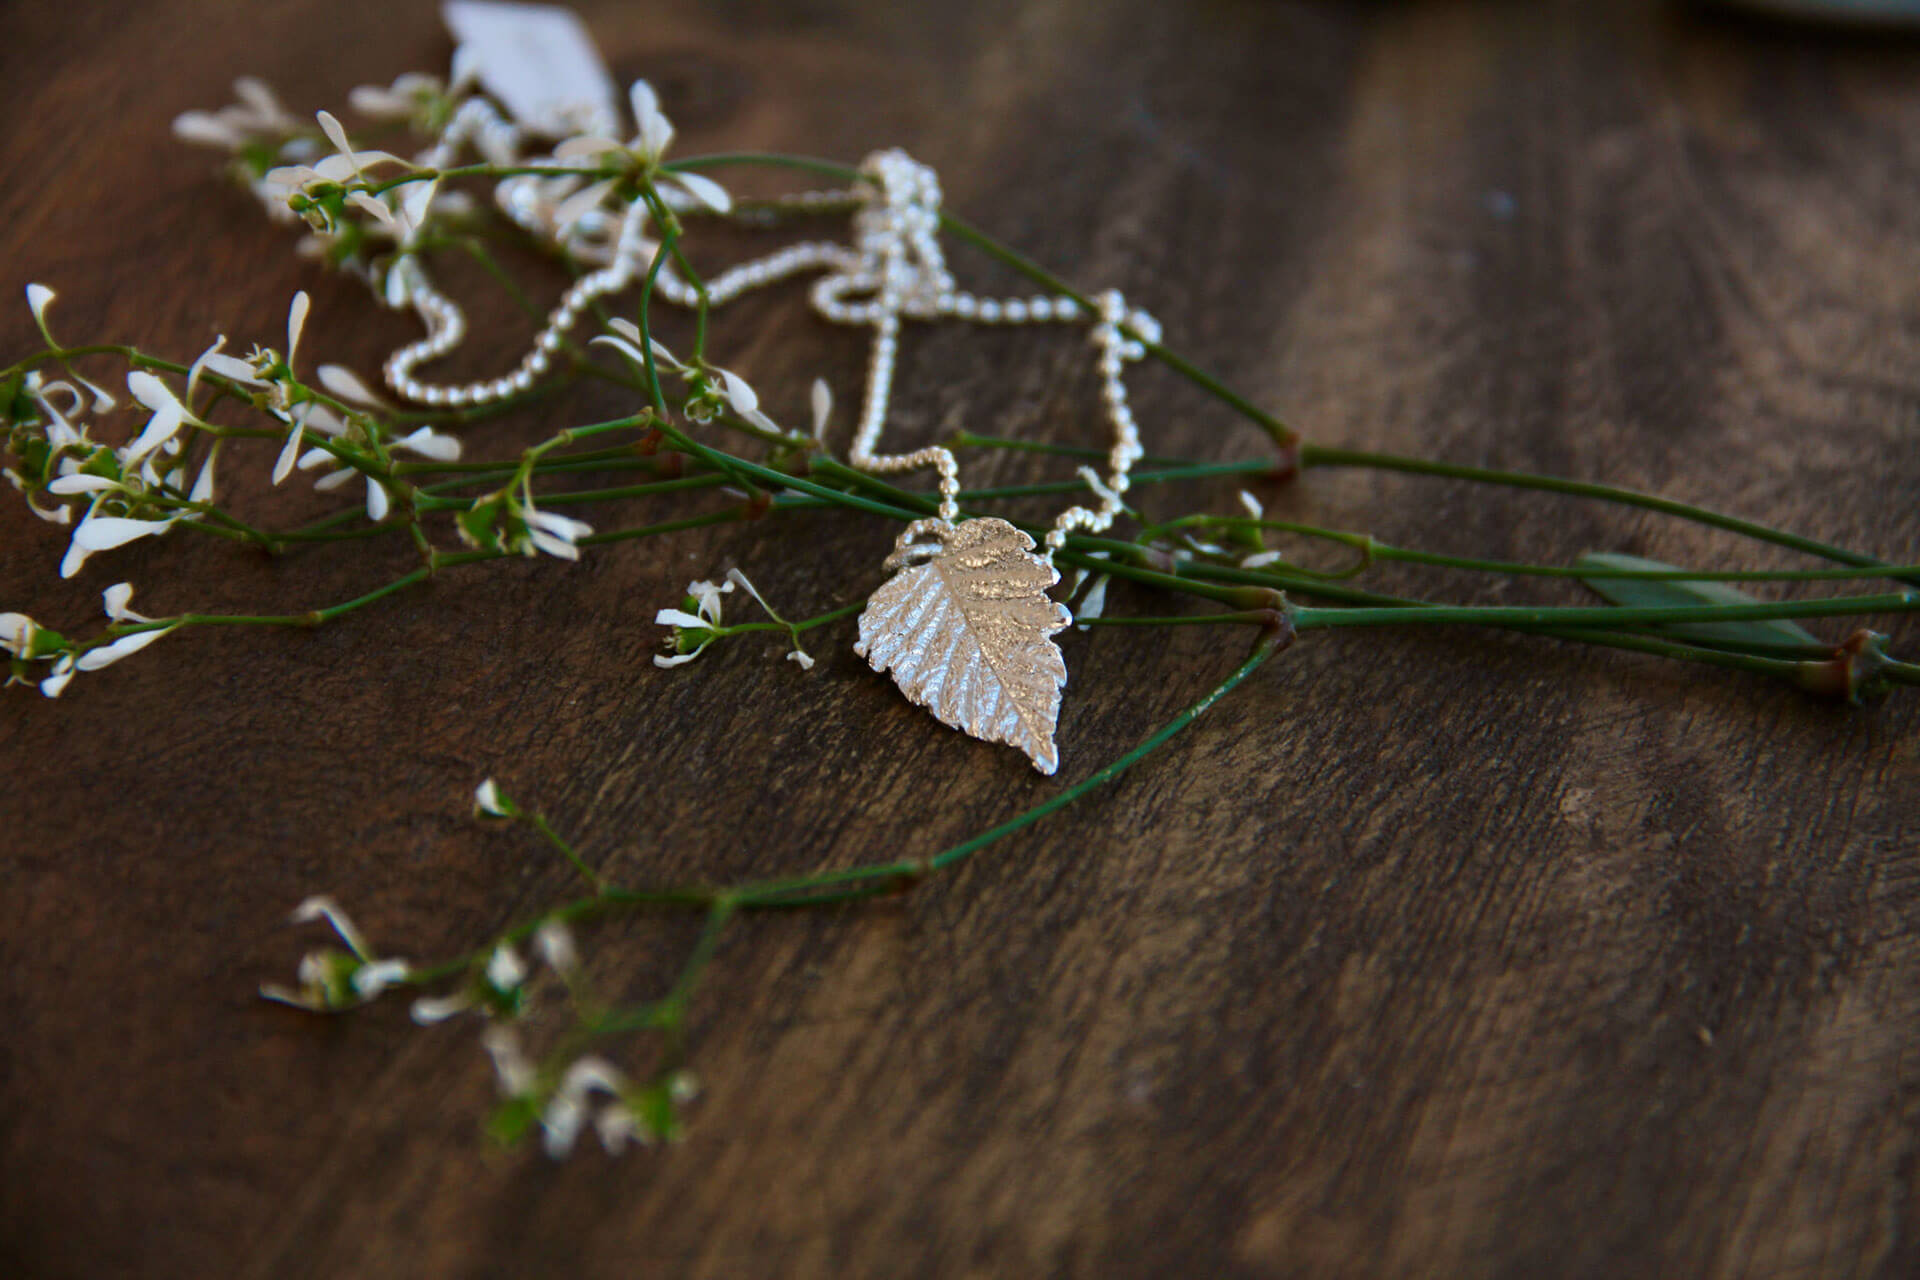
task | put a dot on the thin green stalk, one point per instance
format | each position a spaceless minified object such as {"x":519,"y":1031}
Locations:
{"x":1307,"y":618}
{"x":1311,"y":455}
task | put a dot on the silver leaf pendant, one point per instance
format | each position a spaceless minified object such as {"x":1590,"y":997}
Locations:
{"x":965,"y":627}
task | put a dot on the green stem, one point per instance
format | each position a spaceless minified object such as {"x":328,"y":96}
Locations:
{"x":1307,"y":619}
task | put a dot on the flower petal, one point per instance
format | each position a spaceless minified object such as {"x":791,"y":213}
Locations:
{"x":289,"y":453}
{"x":680,"y":618}
{"x":38,"y":296}
{"x":558,"y":525}
{"x":208,"y":130}
{"x":585,"y":145}
{"x":335,"y":133}
{"x":580,"y":204}
{"x":428,"y":1010}
{"x":377,"y":501}
{"x":203,"y":483}
{"x":297,"y":310}
{"x":822,"y":407}
{"x":557,"y":547}
{"x":742,"y":397}
{"x":106,"y":656}
{"x":656,"y":131}
{"x":705,"y":190}
{"x":54,"y":684}
{"x":81,"y":484}
{"x":160,"y":428}
{"x":429,"y":443}
{"x":347,"y":385}
{"x":101,"y":533}
{"x":232,"y":368}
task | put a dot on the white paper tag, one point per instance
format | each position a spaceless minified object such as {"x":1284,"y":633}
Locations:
{"x":540,"y":62}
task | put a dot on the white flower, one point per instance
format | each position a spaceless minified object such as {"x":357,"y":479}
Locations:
{"x":497,"y":990}
{"x":644,"y":150}
{"x":734,"y":389}
{"x":1252,"y":504}
{"x":337,"y":168}
{"x":700,"y":624}
{"x":1260,"y":559}
{"x":570,"y":1105}
{"x":626,"y":339}
{"x":332,"y":979}
{"x":257,"y":115}
{"x":488,"y":800}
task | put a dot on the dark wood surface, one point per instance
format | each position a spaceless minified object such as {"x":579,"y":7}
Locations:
{"x":1422,"y":954}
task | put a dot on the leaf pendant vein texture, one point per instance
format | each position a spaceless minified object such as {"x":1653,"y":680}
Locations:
{"x":965,"y":627}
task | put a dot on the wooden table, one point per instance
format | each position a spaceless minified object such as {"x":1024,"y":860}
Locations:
{"x":1426,"y":953}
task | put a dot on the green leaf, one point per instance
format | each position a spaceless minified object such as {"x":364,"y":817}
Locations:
{"x":1673,"y":593}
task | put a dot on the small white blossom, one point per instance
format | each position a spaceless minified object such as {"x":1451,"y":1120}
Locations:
{"x":488,"y":800}
{"x":644,"y":150}
{"x":702,"y":622}
{"x":345,"y":163}
{"x":1252,"y":504}
{"x":571,"y":1104}
{"x":258,"y":115}
{"x":625,"y":338}
{"x":1260,"y":559}
{"x":332,"y":979}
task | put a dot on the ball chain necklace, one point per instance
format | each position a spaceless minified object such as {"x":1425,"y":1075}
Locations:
{"x":964,"y":625}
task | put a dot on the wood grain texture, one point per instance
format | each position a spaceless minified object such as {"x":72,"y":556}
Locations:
{"x":1439,"y":954}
